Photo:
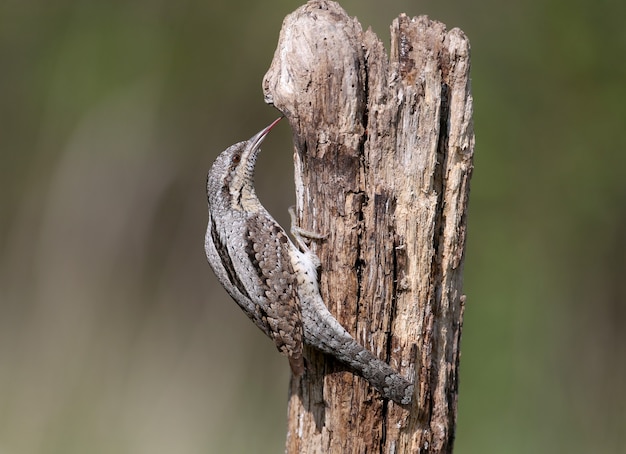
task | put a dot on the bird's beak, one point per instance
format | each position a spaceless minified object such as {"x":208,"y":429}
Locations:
{"x":256,"y":140}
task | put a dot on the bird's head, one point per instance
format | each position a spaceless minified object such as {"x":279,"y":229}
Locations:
{"x":231,"y":176}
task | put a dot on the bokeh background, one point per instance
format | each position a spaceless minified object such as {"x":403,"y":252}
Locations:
{"x":115,"y":336}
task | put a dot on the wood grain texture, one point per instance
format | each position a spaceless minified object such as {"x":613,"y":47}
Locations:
{"x":383,"y":159}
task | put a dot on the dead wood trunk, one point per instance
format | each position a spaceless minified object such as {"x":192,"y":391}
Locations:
{"x":383,"y":159}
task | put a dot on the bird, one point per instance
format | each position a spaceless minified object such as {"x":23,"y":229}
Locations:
{"x":273,"y":280}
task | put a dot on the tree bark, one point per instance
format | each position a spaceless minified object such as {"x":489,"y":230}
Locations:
{"x":383,"y":159}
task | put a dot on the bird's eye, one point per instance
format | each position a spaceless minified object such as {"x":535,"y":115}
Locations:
{"x":236,"y":159}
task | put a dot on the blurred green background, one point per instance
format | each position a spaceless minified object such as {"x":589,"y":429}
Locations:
{"x":115,"y":336}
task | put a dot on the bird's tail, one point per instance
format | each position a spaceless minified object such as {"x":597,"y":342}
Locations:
{"x":325,"y":333}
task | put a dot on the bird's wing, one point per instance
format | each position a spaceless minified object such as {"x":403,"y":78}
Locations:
{"x":267,"y":247}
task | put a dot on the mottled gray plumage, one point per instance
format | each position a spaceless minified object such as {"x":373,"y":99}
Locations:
{"x":273,"y":281}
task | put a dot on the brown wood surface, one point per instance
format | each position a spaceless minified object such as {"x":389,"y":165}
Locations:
{"x":383,"y":159}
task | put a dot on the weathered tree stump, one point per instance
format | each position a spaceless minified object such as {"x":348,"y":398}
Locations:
{"x":383,"y":159}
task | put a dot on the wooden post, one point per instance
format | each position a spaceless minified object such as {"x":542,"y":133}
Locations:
{"x":383,"y":159}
